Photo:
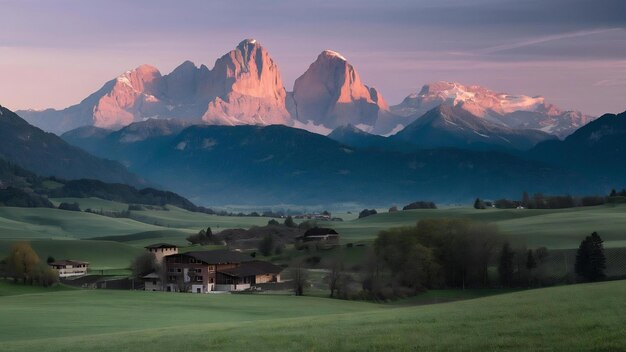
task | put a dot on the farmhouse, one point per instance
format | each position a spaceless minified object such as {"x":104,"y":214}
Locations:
{"x":320,"y":234}
{"x":68,"y":268}
{"x":210,"y":271}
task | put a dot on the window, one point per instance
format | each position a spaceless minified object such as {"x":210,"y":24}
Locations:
{"x":199,"y":278}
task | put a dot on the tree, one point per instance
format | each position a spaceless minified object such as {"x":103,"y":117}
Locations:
{"x":531,"y":264}
{"x":367,"y":212}
{"x":590,"y":260}
{"x":22,"y":262}
{"x":613,"y":193}
{"x":479,"y":204}
{"x":525,"y":200}
{"x":273,"y":222}
{"x":505,"y":266}
{"x":289,"y":222}
{"x":46,"y":276}
{"x":144,"y":264}
{"x":266,"y":246}
{"x":299,"y":278}
{"x":334,"y":276}
{"x":203,"y":237}
{"x":393,"y":209}
{"x":50,"y":259}
{"x":69,"y":206}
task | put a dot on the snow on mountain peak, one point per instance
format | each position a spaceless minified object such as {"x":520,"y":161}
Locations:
{"x":332,"y":53}
{"x":512,"y":110}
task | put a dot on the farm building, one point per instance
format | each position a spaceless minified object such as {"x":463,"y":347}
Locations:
{"x":152,"y":282}
{"x":210,"y":271}
{"x":161,"y":250}
{"x":320,"y":234}
{"x":68,"y":268}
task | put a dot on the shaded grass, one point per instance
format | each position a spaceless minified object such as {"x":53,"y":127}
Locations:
{"x":587,"y":317}
{"x":8,"y":288}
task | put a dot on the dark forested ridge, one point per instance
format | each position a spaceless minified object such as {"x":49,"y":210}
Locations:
{"x":48,"y":155}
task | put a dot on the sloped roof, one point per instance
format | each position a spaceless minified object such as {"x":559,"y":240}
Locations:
{"x":221,"y":256}
{"x":161,"y":245}
{"x":320,"y":231}
{"x":68,"y":262}
{"x":151,"y":276}
{"x":251,"y":268}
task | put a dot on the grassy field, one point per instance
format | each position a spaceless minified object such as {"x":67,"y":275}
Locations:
{"x":56,"y":232}
{"x":586,"y":317}
{"x":553,"y":228}
{"x":53,"y":223}
{"x":92,"y":203}
{"x":180,"y":218}
{"x":11,"y":289}
{"x":101,"y":255}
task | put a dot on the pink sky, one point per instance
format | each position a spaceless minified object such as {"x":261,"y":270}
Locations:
{"x":54,"y":55}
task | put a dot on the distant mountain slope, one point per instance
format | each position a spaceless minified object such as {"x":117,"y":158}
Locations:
{"x":282,"y":165}
{"x":597,"y":149}
{"x":353,"y":137}
{"x":448,"y":126}
{"x":48,"y":155}
{"x":514,"y":111}
{"x":23,"y":188}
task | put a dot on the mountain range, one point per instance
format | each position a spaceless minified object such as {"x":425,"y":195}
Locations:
{"x":283,"y":165}
{"x":245,"y":87}
{"x":446,"y":126}
{"x":246,"y":164}
{"x":513,"y":111}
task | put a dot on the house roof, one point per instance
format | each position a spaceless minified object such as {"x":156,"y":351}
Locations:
{"x":67,"y":262}
{"x":255,"y":267}
{"x":221,"y":256}
{"x":152,"y":275}
{"x":320,"y":231}
{"x":161,"y":245}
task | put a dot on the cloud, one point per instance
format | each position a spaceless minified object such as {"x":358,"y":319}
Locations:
{"x":544,"y":39}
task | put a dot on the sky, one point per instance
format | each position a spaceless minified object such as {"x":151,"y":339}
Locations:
{"x":573,"y":52}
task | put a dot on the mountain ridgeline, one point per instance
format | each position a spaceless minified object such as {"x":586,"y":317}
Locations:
{"x":283,"y":165}
{"x":245,"y":87}
{"x":23,"y":188}
{"x":48,"y":155}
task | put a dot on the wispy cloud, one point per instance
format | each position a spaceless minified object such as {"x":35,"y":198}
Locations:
{"x":544,"y":39}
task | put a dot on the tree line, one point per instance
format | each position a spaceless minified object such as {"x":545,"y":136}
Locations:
{"x":452,"y":253}
{"x":541,"y":201}
{"x":24,"y":266}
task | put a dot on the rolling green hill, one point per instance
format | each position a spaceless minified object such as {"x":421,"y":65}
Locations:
{"x":563,"y":318}
{"x":101,"y":255}
{"x":553,"y":228}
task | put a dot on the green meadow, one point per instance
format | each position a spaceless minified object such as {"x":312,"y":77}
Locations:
{"x":587,"y":317}
{"x":67,"y":234}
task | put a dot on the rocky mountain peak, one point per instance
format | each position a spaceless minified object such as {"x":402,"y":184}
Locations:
{"x":330,"y":93}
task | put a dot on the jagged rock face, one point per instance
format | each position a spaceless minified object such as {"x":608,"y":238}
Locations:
{"x":246,"y":88}
{"x":516,"y":111}
{"x":134,"y":95}
{"x":330,"y":93}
